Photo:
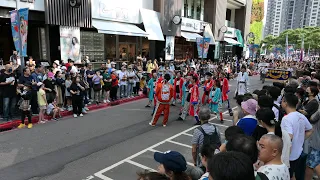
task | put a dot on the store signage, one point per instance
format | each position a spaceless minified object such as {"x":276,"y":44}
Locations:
{"x":109,"y":12}
{"x":230,"y":33}
{"x":36,"y":5}
{"x":191,"y":25}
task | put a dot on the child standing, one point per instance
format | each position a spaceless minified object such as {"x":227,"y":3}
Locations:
{"x":215,"y":99}
{"x":25,"y":106}
{"x":42,"y":101}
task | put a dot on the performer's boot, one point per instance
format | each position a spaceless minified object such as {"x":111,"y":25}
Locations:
{"x":198,"y":121}
{"x":221,"y":116}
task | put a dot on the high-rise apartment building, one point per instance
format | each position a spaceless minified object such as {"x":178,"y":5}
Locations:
{"x":290,"y":14}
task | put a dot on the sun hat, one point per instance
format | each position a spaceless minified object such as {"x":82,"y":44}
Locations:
{"x":250,"y":106}
{"x":172,"y":160}
{"x":50,"y":74}
{"x":56,"y":62}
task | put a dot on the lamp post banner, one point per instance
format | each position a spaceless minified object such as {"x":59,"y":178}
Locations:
{"x":203,"y":47}
{"x":23,"y":24}
{"x":15,"y":29}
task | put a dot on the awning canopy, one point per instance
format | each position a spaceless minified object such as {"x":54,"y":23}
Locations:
{"x":110,"y":27}
{"x":190,"y":36}
{"x":151,"y":24}
{"x":231,"y":41}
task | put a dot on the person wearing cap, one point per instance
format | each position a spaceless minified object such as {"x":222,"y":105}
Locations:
{"x":172,"y":164}
{"x":25,"y":106}
{"x":249,"y":122}
{"x":163,"y":94}
{"x":242,"y":80}
{"x":177,"y":88}
{"x":207,"y":86}
{"x":8,"y":85}
{"x":56,"y":66}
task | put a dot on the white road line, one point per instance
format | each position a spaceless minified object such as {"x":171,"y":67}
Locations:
{"x":100,"y":175}
{"x":227,"y":120}
{"x":153,"y":150}
{"x":181,"y":144}
{"x":219,"y":124}
{"x":187,"y":134}
{"x":140,"y":165}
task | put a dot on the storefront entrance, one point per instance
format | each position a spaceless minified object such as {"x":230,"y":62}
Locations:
{"x":127,"y":51}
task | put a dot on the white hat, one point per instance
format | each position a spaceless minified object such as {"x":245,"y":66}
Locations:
{"x":63,"y":68}
{"x":113,"y":63}
{"x":124,"y":64}
{"x":56,"y":62}
{"x":39,"y":84}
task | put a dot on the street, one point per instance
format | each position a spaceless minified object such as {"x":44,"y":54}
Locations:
{"x":112,"y":143}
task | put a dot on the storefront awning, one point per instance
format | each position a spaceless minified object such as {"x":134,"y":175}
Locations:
{"x":231,"y":41}
{"x":110,"y":27}
{"x":151,"y":24}
{"x":190,"y":36}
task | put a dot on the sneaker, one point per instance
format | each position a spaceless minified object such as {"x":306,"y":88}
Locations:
{"x":164,"y":125}
{"x":55,"y":119}
{"x":75,"y":116}
{"x":151,"y":124}
{"x":104,"y":101}
{"x":81,"y":115}
{"x":61,"y":109}
{"x":108,"y":101}
{"x":42,"y":122}
{"x":85,"y":108}
{"x":21,"y":126}
{"x":30,"y":126}
{"x":147,"y":106}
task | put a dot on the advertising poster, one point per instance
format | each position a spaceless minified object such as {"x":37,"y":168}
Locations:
{"x":169,"y":48}
{"x":15,"y":29}
{"x":70,"y":44}
{"x":23,"y":24}
{"x":203,"y":47}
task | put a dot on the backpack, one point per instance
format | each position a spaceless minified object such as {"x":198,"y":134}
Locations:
{"x":214,"y":138}
{"x":281,"y":112}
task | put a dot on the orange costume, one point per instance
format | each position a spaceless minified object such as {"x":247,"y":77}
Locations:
{"x":164,"y":94}
{"x":194,"y":98}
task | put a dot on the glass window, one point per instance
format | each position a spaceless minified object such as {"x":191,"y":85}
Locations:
{"x":92,"y":45}
{"x":110,"y":46}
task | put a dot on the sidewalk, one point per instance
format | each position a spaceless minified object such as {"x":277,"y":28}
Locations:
{"x":4,"y":126}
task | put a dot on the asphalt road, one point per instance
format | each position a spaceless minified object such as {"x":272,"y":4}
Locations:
{"x":112,"y":143}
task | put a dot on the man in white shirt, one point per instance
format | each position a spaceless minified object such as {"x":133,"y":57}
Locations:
{"x":270,"y":149}
{"x":298,"y":127}
{"x":243,"y":79}
{"x":123,"y":77}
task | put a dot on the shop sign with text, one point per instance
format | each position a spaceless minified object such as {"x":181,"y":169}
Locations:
{"x":191,"y":25}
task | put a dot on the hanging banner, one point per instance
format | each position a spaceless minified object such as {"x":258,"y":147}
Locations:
{"x":278,"y":74}
{"x":23,"y":24}
{"x":70,"y":44}
{"x":203,"y":47}
{"x":169,"y":48}
{"x":15,"y":29}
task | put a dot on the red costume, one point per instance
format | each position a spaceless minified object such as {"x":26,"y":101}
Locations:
{"x":180,"y":88}
{"x":194,"y":74}
{"x":194,"y":99}
{"x":225,"y":89}
{"x":208,"y":85}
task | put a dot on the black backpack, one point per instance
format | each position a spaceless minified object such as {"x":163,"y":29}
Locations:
{"x":213,"y":138}
{"x":281,"y":112}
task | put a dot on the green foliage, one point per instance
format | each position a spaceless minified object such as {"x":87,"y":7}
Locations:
{"x":256,"y":28}
{"x":311,"y":37}
{"x":256,"y":25}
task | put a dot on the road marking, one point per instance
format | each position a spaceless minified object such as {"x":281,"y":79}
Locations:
{"x":181,"y":144}
{"x":219,"y":124}
{"x":140,"y":165}
{"x":187,"y":134}
{"x":100,"y":175}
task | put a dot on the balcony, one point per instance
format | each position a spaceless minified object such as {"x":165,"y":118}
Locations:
{"x":230,"y":24}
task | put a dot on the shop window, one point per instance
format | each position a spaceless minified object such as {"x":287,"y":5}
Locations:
{"x":110,"y":46}
{"x":128,"y":46}
{"x":92,"y":45}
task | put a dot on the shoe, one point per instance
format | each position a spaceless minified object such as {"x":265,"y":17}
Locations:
{"x":21,"y":126}
{"x":85,"y":108}
{"x":179,"y":119}
{"x":164,"y":125}
{"x":55,"y":119}
{"x":108,"y":101}
{"x":42,"y":122}
{"x":151,"y":124}
{"x":221,"y":121}
{"x":147,"y":106}
{"x":180,"y":114}
{"x":61,"y":109}
{"x":75,"y":116}
{"x":30,"y":126}
{"x":173,"y":105}
{"x":81,"y":115}
{"x":197,"y":123}
{"x":104,"y":101}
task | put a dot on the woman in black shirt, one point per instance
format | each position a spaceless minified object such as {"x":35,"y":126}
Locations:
{"x":76,"y":91}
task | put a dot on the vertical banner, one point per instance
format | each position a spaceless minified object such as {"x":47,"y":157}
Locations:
{"x":169,"y":48}
{"x":70,"y":44}
{"x":203,"y":47}
{"x":23,"y":24}
{"x":15,"y":29}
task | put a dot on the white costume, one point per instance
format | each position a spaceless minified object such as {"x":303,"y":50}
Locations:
{"x":243,"y":82}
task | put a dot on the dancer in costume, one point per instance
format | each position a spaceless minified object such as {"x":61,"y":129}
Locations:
{"x":185,"y":101}
{"x":151,"y":87}
{"x":243,"y":81}
{"x":207,"y":88}
{"x":177,"y":88}
{"x":215,"y":99}
{"x":225,"y":90}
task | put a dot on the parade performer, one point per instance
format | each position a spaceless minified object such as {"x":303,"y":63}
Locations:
{"x":193,"y":72}
{"x":194,"y":99}
{"x":215,"y":99}
{"x":177,"y":88}
{"x":151,"y":86}
{"x":207,"y":88}
{"x":243,"y":81}
{"x":164,"y":93}
{"x":225,"y":91}
{"x":185,"y":101}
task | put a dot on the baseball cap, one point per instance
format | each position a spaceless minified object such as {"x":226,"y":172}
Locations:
{"x":172,"y":160}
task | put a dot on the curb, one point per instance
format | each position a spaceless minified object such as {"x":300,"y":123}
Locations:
{"x":15,"y":123}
